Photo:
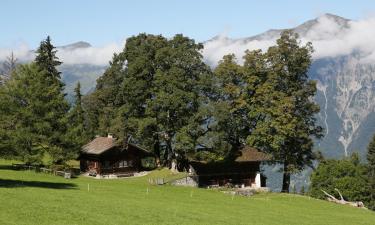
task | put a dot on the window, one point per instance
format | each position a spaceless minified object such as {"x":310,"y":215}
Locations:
{"x":123,"y":163}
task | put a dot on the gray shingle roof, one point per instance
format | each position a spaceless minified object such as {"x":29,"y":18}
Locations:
{"x":99,"y":145}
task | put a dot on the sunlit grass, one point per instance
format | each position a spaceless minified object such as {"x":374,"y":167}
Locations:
{"x":35,"y":198}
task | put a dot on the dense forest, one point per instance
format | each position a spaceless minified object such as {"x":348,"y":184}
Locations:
{"x":159,"y":93}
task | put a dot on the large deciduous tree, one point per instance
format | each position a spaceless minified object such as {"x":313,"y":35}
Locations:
{"x":179,"y":87}
{"x":228,"y":126}
{"x":151,"y":94}
{"x":284,"y":108}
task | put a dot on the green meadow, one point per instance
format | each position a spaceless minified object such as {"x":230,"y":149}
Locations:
{"x":35,"y":198}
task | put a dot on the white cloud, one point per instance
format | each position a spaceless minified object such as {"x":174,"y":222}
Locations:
{"x":90,"y":55}
{"x":214,"y":50}
{"x":22,"y":53}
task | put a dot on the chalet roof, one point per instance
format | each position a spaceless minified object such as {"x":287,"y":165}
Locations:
{"x":250,"y":154}
{"x":99,"y":145}
{"x":102,"y":144}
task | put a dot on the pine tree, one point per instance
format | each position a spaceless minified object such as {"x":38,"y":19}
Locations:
{"x":36,"y":114}
{"x":55,"y":114}
{"x":77,"y":134}
{"x":47,"y":60}
{"x":371,"y":172}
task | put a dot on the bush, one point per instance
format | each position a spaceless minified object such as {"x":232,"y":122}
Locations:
{"x":347,"y":175}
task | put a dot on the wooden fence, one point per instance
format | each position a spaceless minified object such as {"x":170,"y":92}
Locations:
{"x":39,"y":169}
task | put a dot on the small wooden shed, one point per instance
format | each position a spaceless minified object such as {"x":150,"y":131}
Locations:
{"x":105,"y":156}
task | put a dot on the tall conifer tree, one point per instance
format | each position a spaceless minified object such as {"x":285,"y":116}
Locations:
{"x":37,"y":109}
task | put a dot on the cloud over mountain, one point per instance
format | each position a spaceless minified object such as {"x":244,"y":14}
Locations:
{"x":331,"y":36}
{"x":76,"y":53}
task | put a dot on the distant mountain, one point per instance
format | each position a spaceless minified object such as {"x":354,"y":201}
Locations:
{"x":86,"y":74}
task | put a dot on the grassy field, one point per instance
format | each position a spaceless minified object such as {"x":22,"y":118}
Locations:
{"x":34,"y":198}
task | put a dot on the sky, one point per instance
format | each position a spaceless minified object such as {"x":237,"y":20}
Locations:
{"x":99,"y":22}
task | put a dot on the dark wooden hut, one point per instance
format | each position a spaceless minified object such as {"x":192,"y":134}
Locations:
{"x":105,"y":156}
{"x":244,"y":171}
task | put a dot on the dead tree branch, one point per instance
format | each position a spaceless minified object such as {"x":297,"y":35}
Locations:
{"x":342,"y":201}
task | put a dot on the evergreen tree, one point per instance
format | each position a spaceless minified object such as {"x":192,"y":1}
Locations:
{"x":55,"y":114}
{"x":47,"y":60}
{"x":77,"y":133}
{"x":283,"y":107}
{"x":36,"y":113}
{"x":371,"y":172}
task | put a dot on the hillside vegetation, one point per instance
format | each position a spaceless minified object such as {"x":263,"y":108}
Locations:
{"x":35,"y":198}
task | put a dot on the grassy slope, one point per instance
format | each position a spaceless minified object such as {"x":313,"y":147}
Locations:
{"x":30,"y":198}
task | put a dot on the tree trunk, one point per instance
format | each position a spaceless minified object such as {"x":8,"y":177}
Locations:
{"x":170,"y":156}
{"x":286,"y":179}
{"x":157,"y":151}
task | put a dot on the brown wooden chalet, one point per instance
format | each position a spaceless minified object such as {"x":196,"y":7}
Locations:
{"x":104,"y":156}
{"x":244,"y":171}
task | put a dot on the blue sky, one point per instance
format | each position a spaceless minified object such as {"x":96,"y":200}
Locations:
{"x":102,"y":22}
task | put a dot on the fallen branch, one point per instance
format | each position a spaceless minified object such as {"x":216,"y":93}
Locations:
{"x":342,"y":201}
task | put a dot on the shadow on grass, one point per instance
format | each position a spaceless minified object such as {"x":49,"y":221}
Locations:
{"x":6,"y":167}
{"x":7,"y":183}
